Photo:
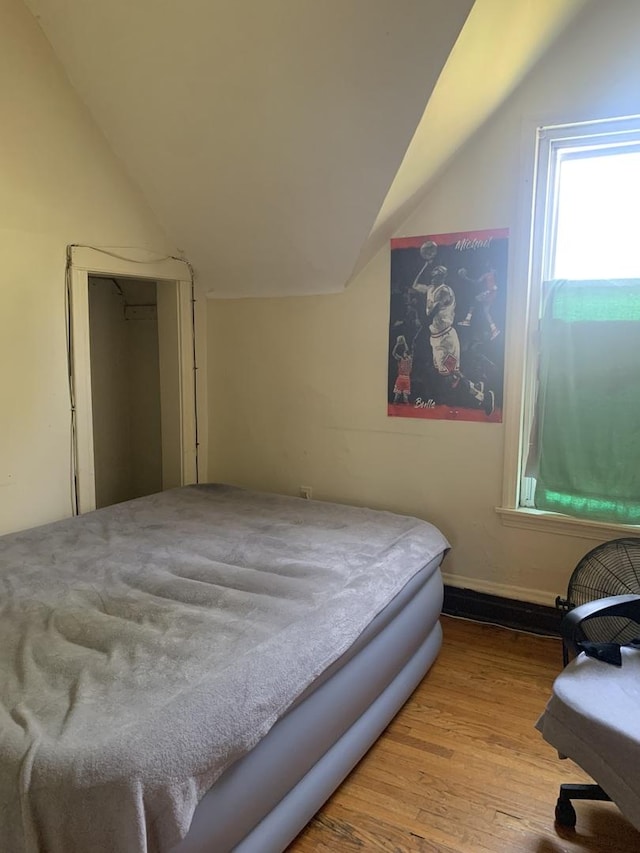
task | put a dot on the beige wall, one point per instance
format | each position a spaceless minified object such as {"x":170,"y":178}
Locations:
{"x":297,"y":387}
{"x":60,"y":184}
{"x":110,"y":397}
{"x":125,"y":390}
{"x":144,"y":392}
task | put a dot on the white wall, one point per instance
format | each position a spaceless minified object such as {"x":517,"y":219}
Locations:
{"x":60,"y":184}
{"x":297,"y":387}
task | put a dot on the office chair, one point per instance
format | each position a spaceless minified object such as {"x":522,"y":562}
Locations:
{"x":602,"y":621}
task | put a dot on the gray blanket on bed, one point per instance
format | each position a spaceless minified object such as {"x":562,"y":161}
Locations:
{"x":147,"y":646}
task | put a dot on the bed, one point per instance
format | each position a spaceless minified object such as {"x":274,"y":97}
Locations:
{"x":198,"y":670}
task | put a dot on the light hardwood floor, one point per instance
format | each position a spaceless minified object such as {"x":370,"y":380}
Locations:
{"x":461,"y":768}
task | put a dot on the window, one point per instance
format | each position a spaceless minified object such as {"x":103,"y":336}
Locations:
{"x":580,"y":431}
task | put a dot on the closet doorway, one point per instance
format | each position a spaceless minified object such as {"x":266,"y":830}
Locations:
{"x":132,"y":378}
{"x":125,"y":388}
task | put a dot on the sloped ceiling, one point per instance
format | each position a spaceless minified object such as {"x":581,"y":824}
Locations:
{"x":499,"y":43}
{"x":266,"y":134}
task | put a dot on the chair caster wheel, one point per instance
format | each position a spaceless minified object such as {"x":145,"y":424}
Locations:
{"x":565,"y":814}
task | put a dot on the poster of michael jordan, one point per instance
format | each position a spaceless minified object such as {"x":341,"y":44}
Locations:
{"x":446,"y":328}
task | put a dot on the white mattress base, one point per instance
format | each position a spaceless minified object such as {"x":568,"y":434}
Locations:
{"x":404,"y":639}
{"x":293,"y":812}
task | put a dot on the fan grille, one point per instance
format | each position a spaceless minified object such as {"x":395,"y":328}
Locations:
{"x":610,"y":569}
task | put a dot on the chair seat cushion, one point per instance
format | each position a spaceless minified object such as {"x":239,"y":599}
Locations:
{"x":593,"y":717}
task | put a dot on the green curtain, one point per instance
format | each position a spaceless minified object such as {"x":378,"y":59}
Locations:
{"x":588,"y":411}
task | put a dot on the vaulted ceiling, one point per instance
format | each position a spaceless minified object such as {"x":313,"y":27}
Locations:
{"x":279,"y":142}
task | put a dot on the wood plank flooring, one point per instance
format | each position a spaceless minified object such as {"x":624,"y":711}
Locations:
{"x":461,"y":768}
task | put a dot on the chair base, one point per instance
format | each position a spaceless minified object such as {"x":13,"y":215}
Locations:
{"x":565,"y":812}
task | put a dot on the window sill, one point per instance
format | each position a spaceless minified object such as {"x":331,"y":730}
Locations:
{"x":551,"y":522}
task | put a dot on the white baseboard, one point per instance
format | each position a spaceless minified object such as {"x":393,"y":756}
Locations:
{"x":533,"y":596}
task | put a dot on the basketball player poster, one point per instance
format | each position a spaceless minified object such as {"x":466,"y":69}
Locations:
{"x":447,"y":326}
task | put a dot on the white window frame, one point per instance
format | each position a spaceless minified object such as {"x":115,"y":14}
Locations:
{"x":531,"y":262}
